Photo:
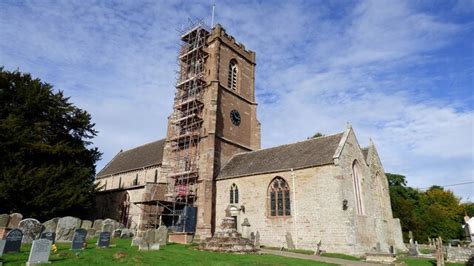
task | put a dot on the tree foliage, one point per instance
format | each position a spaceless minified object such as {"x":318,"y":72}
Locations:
{"x":47,"y":166}
{"x":432,"y":213}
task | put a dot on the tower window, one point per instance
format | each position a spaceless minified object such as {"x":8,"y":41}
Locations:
{"x":279,"y":197}
{"x":234,"y":194}
{"x":232,"y":82}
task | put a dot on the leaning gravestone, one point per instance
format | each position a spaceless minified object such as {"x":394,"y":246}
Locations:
{"x":104,"y":240}
{"x":161,"y":235}
{"x":39,"y":252}
{"x":86,"y":224}
{"x":2,"y":245}
{"x":66,"y":227}
{"x":13,"y":241}
{"x":14,"y":220}
{"x":51,"y":236}
{"x":79,"y":239}
{"x":31,"y":229}
{"x":50,"y":225}
{"x":4,"y":220}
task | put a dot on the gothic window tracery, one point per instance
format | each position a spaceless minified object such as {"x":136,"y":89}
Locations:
{"x":232,"y":82}
{"x":279,"y":197}
{"x":234,"y":194}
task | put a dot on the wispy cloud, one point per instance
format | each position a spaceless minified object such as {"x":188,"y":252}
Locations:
{"x":400,"y":72}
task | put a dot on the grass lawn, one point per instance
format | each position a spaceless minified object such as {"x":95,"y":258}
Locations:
{"x":426,"y":262}
{"x":340,"y":256}
{"x":172,"y":254}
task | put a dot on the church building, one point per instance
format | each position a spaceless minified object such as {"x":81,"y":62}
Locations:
{"x":210,"y":165}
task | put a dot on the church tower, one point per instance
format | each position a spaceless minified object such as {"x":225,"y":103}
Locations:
{"x":214,"y":117}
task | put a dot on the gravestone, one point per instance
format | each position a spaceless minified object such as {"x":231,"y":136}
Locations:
{"x":90,"y":233}
{"x":31,"y":229}
{"x":245,"y":228}
{"x":66,"y":228}
{"x":97,"y":225}
{"x":104,"y":240}
{"x":257,"y":240}
{"x":4,"y":220}
{"x":289,"y":241}
{"x":50,"y":225}
{"x":161,"y":235}
{"x":86,"y":224}
{"x":126,"y":233}
{"x":51,"y":236}
{"x":108,"y":225}
{"x":14,"y":220}
{"x":79,"y":239}
{"x":117,"y":233}
{"x":147,"y":240}
{"x":2,"y":245}
{"x":13,"y":241}
{"x":39,"y":252}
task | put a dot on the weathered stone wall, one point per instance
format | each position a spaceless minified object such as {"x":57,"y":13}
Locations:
{"x":317,"y":196}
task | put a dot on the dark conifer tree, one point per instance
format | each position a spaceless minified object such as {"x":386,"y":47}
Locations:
{"x":47,"y":164}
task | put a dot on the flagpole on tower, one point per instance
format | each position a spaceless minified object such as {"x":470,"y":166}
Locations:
{"x":212,"y":18}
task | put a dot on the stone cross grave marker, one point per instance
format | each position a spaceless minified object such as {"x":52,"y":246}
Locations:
{"x":104,"y":240}
{"x":2,"y":245}
{"x":13,"y":241}
{"x":51,"y":236}
{"x":79,"y":239}
{"x":39,"y":252}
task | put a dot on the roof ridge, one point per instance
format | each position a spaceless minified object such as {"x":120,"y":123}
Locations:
{"x":287,"y":144}
{"x":143,"y":145}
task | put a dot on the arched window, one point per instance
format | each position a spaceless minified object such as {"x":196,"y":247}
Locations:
{"x":357,"y":190}
{"x":156,"y":176}
{"x":279,"y":197}
{"x":234,"y":194}
{"x":232,"y":75}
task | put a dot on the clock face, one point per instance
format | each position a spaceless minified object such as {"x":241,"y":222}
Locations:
{"x":235,"y":117}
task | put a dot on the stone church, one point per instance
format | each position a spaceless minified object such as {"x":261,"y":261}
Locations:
{"x":325,"y":190}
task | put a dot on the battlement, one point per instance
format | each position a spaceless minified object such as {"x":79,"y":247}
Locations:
{"x":219,"y":32}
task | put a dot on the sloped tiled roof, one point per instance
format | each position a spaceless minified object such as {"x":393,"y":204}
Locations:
{"x":312,"y":152}
{"x":136,"y":158}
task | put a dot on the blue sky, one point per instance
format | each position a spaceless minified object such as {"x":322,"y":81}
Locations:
{"x":401,"y":72}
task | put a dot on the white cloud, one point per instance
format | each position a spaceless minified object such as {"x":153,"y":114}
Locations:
{"x":318,"y":67}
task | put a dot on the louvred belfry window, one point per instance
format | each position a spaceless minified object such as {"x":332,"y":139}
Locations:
{"x":232,"y":82}
{"x":279,"y":197}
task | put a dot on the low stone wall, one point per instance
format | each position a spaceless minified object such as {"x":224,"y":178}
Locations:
{"x":459,"y":254}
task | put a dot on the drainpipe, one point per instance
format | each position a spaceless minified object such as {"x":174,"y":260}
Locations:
{"x":294,"y":208}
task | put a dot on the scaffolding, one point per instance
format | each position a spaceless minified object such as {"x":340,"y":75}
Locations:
{"x":177,"y":210}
